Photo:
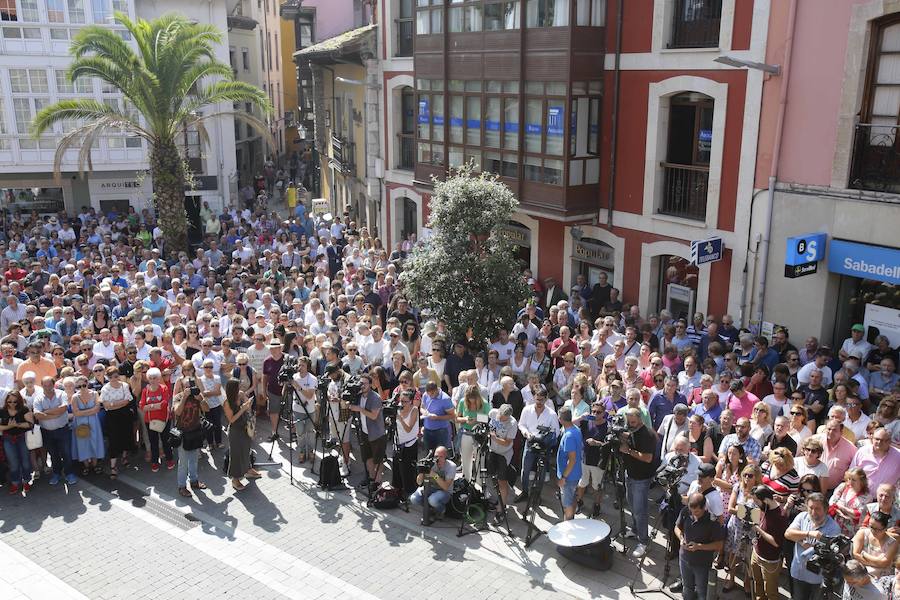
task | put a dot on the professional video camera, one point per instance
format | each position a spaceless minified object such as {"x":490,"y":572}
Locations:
{"x":828,"y":558}
{"x":481,"y":433}
{"x":288,"y":369}
{"x":390,"y":409}
{"x":618,"y":425}
{"x":542,"y":443}
{"x":425,"y":464}
{"x":352,"y":390}
{"x":671,"y":472}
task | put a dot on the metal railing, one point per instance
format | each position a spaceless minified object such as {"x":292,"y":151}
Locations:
{"x":405,"y":34}
{"x":695,"y":24}
{"x":684,"y":191}
{"x":876,"y":159}
{"x":406,"y":145}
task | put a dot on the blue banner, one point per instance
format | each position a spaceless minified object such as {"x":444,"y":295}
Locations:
{"x":803,"y":249}
{"x":473,"y":123}
{"x":865,"y":261}
{"x":492,"y":125}
{"x":423,"y":112}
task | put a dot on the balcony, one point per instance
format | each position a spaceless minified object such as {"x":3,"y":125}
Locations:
{"x":405,"y":33}
{"x":343,"y":154}
{"x":876,"y":161}
{"x":684,"y":191}
{"x":695,"y":24}
{"x":406,"y":147}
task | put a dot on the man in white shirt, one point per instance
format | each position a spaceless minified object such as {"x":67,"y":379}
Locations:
{"x":105,"y":347}
{"x":539,"y":414}
{"x":525,"y":325}
{"x":373,"y":351}
{"x":820,"y":362}
{"x":504,"y":347}
{"x":856,"y":420}
{"x":856,"y":343}
{"x":241,"y":251}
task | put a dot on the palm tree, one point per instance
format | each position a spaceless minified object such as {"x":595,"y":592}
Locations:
{"x":164,"y":83}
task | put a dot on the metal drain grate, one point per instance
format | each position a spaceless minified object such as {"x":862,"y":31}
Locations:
{"x":141,"y":499}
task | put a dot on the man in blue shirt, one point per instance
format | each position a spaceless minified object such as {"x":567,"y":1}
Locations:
{"x":765,"y":355}
{"x":568,"y":462}
{"x":156,"y":304}
{"x":438,"y":412}
{"x":806,"y":529}
{"x":51,"y":411}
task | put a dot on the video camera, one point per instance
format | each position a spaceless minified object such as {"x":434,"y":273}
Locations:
{"x":426,"y":463}
{"x":542,"y":443}
{"x":288,"y":369}
{"x":671,"y":473}
{"x":828,"y":558}
{"x":352,"y":390}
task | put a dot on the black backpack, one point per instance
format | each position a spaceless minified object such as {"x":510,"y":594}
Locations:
{"x":386,"y":496}
{"x":329,"y":473}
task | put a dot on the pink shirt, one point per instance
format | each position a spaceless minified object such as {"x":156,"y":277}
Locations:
{"x":838,"y":460}
{"x":742,"y":407}
{"x":878,"y":471}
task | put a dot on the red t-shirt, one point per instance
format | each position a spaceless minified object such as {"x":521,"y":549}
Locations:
{"x":160,"y":394}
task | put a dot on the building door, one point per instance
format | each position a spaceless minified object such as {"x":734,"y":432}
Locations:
{"x":409,"y":218}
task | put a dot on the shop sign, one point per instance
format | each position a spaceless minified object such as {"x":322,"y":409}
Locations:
{"x":865,"y":261}
{"x":803,"y":253}
{"x":706,"y":251}
{"x":119,"y":188}
{"x":594,"y":254}
{"x":519,"y":236}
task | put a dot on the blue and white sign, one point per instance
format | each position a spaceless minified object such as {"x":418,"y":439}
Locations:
{"x":803,"y":249}
{"x":865,"y":261}
{"x":706,"y":251}
{"x":555,"y":115}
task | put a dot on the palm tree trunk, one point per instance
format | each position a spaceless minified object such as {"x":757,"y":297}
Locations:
{"x":167,"y":170}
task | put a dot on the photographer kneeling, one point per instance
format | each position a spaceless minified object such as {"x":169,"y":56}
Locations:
{"x":441,"y":475}
{"x":805,"y":530}
{"x":373,"y":440}
{"x":637,"y":447}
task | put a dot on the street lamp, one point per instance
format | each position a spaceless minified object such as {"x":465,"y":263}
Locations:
{"x":748,"y":64}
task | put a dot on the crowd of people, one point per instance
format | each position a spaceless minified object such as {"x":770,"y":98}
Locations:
{"x":112,"y":350}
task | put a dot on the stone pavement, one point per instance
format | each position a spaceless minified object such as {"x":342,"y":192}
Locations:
{"x":135,"y":538}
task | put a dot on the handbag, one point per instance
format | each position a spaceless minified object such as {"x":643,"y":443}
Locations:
{"x":33,"y":438}
{"x":83,"y":430}
{"x":157,"y":425}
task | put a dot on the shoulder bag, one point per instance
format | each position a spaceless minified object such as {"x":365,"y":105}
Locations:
{"x":33,"y":438}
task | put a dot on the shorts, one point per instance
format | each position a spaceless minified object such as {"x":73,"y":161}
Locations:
{"x":568,"y":493}
{"x":374,"y":449}
{"x":591,"y":474}
{"x":498,"y":465}
{"x":275,"y":403}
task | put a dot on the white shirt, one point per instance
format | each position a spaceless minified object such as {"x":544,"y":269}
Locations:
{"x":215,"y":357}
{"x":304,"y":383}
{"x":530,"y":330}
{"x":779,"y":407}
{"x":373,"y":352}
{"x":713,"y":500}
{"x":107,"y":351}
{"x":687,"y":383}
{"x":690,"y":476}
{"x":862,"y":347}
{"x":858,"y":427}
{"x":530,"y":420}
{"x":505,"y":351}
{"x":805,"y":370}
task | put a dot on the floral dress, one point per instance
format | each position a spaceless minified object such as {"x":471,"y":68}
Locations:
{"x":736,"y":528}
{"x":847,"y":497}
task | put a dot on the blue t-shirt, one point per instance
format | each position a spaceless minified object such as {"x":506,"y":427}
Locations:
{"x":438,"y":405}
{"x":570,"y":442}
{"x":155,"y":306}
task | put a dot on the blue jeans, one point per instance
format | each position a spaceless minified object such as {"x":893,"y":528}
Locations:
{"x":638,"y":491}
{"x":436,"y":437}
{"x":17,"y":457}
{"x":695,"y":579}
{"x":187,"y":466}
{"x":58,"y":443}
{"x":529,"y":459}
{"x":438,"y":499}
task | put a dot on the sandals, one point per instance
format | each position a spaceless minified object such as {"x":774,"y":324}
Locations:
{"x":113,"y":473}
{"x":254,"y":475}
{"x":198,"y":485}
{"x":184,"y":493}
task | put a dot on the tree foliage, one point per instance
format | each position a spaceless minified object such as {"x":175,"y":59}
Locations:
{"x":467,"y":274}
{"x":171,"y":81}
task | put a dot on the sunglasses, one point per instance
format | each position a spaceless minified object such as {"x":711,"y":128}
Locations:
{"x":747,"y":476}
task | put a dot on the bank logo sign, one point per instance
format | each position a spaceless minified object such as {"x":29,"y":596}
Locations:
{"x":803,"y":253}
{"x":865,"y":261}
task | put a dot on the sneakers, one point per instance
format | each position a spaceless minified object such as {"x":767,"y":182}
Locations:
{"x":71,"y":479}
{"x":54,"y":479}
{"x":154,"y":467}
{"x":13,"y":489}
{"x":170,"y":464}
{"x":639,"y":551}
{"x":676,"y":587}
{"x":26,"y":487}
{"x":629,"y":533}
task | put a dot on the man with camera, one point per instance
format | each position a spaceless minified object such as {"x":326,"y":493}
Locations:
{"x":304,"y":407}
{"x":339,"y":409}
{"x":593,"y":430}
{"x":371,"y":420}
{"x":503,"y":428}
{"x":701,"y":537}
{"x":189,"y":408}
{"x":440,"y":474}
{"x":534,"y":417}
{"x":637,"y":446}
{"x":805,"y":530}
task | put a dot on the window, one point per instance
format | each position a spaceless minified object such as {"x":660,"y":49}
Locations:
{"x":429,"y":17}
{"x":277,"y":53}
{"x":269,"y":48}
{"x":76,"y":11}
{"x":430,"y":122}
{"x":473,"y":120}
{"x":8,"y":10}
{"x":59,"y":35}
{"x":464,"y":18}
{"x":29,"y":10}
{"x":245,"y":58}
{"x":56,"y":11}
{"x":405,"y":27}
{"x":232,"y":60}
{"x":501,"y":15}
{"x":590,"y":13}
{"x":22,"y":81}
{"x":24,"y":110}
{"x":547,"y":13}
{"x":102,"y":10}
{"x":686,"y":169}
{"x":875,"y":162}
{"x":695,"y":24}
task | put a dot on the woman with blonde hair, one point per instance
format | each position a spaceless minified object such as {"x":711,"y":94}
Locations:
{"x":761,"y":422}
{"x":798,"y":429}
{"x":780,"y":475}
{"x":741,"y":500}
{"x":848,"y":502}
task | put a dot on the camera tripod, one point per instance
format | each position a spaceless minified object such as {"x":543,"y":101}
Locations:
{"x":611,"y":464}
{"x":534,"y":497}
{"x":744,"y":554}
{"x":480,"y":470}
{"x":671,"y":493}
{"x":398,"y":462}
{"x":289,"y":395}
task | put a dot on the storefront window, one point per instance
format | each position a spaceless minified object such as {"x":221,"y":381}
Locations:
{"x":43,"y":200}
{"x":592,"y":257}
